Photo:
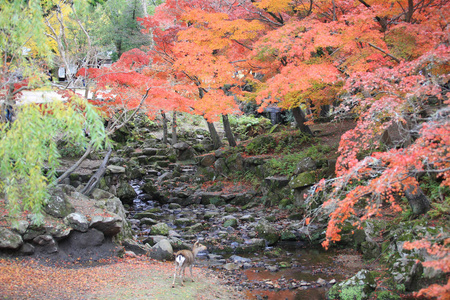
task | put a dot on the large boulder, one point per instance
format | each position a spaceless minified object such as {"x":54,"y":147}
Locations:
{"x":160,"y":229}
{"x":9,"y":239}
{"x":408,"y":272}
{"x":304,"y":165}
{"x":207,"y":160}
{"x":162,"y":251}
{"x":267,"y":231}
{"x":358,"y":287}
{"x":132,"y":245}
{"x":109,"y":225}
{"x":77,"y":221}
{"x":126,"y":193}
{"x":303,"y":179}
{"x":58,"y":205}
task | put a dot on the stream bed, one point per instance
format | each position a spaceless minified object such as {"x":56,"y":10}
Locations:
{"x":288,"y":270}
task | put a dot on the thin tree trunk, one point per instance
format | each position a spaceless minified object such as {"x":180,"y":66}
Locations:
{"x":94,"y":181}
{"x":214,"y":136}
{"x":228,"y":131}
{"x":300,"y":118}
{"x":174,"y":128}
{"x":165,"y":133}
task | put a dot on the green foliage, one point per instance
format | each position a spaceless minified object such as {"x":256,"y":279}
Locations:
{"x":286,"y":165}
{"x":440,"y":196}
{"x":22,"y":29}
{"x":29,"y":147}
{"x":69,"y":149}
{"x":352,"y":293}
{"x":261,"y":145}
{"x":289,"y":141}
{"x":248,"y":125}
{"x":119,"y":27}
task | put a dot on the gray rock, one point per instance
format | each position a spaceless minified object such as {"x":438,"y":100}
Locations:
{"x":303,"y":179}
{"x":304,"y":165}
{"x":321,"y":282}
{"x":239,"y":259}
{"x":99,"y":194}
{"x":408,"y":272}
{"x":47,"y":242}
{"x":21,"y":227}
{"x":276,"y":182}
{"x":149,"y":151}
{"x":116,"y":169}
{"x":196,"y":227}
{"x":160,"y":229}
{"x":9,"y":239}
{"x":220,"y":166}
{"x":186,"y":154}
{"x":181,"y":146}
{"x":231,"y":266}
{"x":110,"y":225}
{"x":27,"y":249}
{"x":272,"y":268}
{"x":183,"y":221}
{"x":243,"y":198}
{"x":148,"y":221}
{"x":210,"y":214}
{"x":267,"y":231}
{"x":252,"y":246}
{"x":59,"y":232}
{"x":126,"y":193}
{"x":230,"y":221}
{"x":134,"y":246}
{"x":162,"y":251}
{"x":207,"y":160}
{"x":58,"y":205}
{"x":77,"y":221}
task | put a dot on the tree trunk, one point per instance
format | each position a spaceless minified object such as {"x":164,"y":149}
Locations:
{"x":300,"y":118}
{"x":165,"y":133}
{"x":419,"y":203}
{"x":214,"y":136}
{"x":95,"y":179}
{"x":228,"y":131}
{"x":174,"y":128}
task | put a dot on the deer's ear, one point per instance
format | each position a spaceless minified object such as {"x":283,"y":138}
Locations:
{"x":196,"y":243}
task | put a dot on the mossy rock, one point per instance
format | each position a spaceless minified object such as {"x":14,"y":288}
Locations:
{"x":287,"y":235}
{"x":217,"y":201}
{"x":231,"y":209}
{"x":231,"y":222}
{"x":359,"y":287}
{"x":183,"y":222}
{"x":303,"y":179}
{"x":160,"y":229}
{"x":196,"y":227}
{"x":146,"y":214}
{"x":266,"y":231}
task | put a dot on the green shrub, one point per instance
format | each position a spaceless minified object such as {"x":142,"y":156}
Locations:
{"x":261,"y":145}
{"x":248,"y":125}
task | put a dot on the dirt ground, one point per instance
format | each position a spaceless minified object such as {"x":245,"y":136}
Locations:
{"x":130,"y":278}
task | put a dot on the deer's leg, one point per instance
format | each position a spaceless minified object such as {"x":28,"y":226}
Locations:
{"x":174,"y":275}
{"x":192,"y":276}
{"x":182,"y":275}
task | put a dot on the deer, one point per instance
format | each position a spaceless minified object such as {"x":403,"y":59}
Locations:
{"x":184,"y":259}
